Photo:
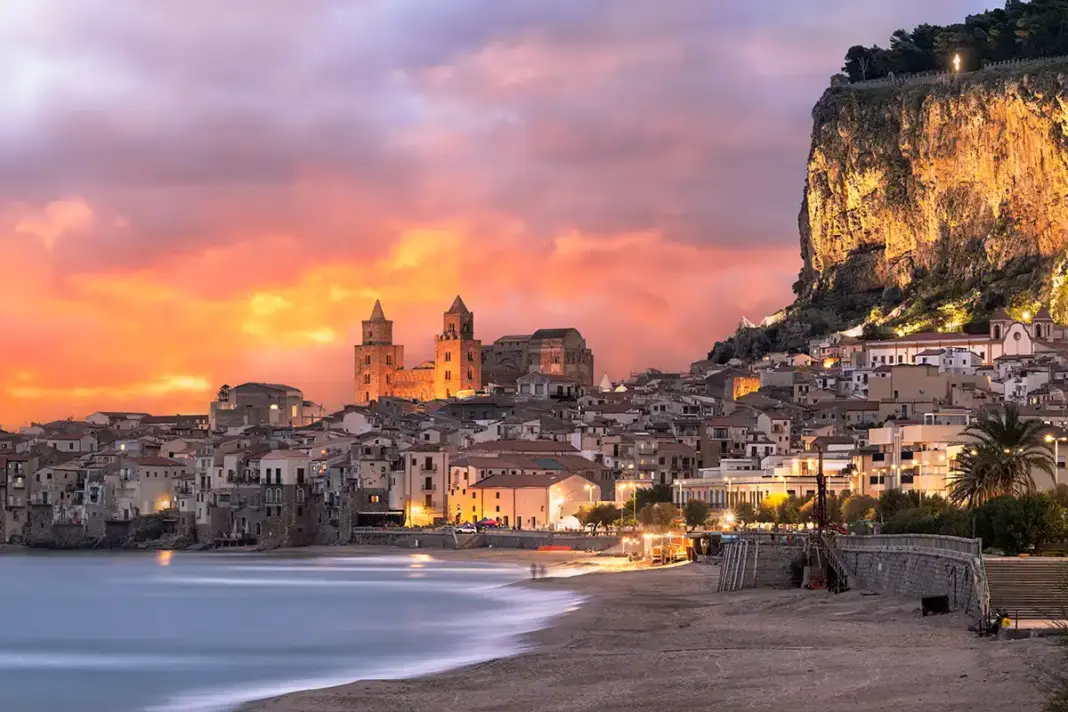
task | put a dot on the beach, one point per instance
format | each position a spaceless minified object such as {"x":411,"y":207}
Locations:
{"x":664,"y":639}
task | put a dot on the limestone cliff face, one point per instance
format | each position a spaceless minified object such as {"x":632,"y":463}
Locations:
{"x":954,"y":180}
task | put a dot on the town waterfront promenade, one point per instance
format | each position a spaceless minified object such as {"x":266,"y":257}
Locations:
{"x":655,"y":640}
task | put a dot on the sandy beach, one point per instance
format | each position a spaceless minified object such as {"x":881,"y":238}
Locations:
{"x":665,"y":640}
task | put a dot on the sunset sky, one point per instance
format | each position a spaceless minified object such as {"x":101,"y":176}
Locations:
{"x":195,"y":193}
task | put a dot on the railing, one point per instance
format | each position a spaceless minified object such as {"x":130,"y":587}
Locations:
{"x":732,"y":568}
{"x":970,"y":547}
{"x":429,"y":488}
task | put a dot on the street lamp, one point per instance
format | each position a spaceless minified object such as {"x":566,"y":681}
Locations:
{"x":1056,"y":458}
{"x":589,"y":488}
{"x":956,"y":62}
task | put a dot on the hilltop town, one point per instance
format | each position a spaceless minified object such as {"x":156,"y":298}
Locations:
{"x":518,"y":433}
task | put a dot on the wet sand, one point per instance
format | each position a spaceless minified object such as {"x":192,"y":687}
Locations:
{"x":659,"y":640}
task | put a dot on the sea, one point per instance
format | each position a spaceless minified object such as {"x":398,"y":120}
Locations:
{"x":187,"y":632}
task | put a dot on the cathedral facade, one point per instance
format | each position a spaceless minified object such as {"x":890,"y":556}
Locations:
{"x":455,"y":371}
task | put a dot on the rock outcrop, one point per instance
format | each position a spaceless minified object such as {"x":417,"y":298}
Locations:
{"x":952,"y":189}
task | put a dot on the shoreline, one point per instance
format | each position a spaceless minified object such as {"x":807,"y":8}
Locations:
{"x":656,"y":639}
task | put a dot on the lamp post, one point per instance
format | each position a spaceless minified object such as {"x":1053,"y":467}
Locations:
{"x":956,"y":62}
{"x":589,"y":489}
{"x":1056,"y":458}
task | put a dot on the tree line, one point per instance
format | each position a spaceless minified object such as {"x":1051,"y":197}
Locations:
{"x":1022,"y":30}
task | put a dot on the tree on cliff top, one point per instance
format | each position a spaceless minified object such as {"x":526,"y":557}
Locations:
{"x":1020,"y":31}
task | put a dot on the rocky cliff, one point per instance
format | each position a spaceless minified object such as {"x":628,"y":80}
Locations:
{"x":931,"y":203}
{"x":928,"y":204}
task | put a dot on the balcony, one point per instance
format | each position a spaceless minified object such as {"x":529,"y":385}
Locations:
{"x":430,"y":487}
{"x":18,"y":482}
{"x":431,"y":468}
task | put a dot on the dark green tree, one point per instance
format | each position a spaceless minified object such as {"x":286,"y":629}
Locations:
{"x":696,"y":513}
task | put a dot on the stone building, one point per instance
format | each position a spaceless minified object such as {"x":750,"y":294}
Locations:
{"x":268,"y":404}
{"x":558,"y":352}
{"x":455,"y":371}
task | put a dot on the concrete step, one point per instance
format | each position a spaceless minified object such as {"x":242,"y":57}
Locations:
{"x":1029,"y":588}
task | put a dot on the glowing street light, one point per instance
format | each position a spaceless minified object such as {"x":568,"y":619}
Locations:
{"x":589,"y":488}
{"x":956,"y":63}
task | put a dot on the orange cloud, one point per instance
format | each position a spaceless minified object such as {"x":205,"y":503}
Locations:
{"x":163,"y":338}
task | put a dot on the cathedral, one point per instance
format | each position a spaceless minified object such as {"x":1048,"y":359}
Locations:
{"x":455,"y":371}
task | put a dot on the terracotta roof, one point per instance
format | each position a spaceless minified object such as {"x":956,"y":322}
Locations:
{"x":524,"y":446}
{"x":553,"y":333}
{"x":934,"y":336}
{"x":284,"y":455}
{"x":520,"y":481}
{"x":155,"y":461}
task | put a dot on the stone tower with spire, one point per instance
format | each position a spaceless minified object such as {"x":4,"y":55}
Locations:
{"x":457,"y":354}
{"x":377,"y":359}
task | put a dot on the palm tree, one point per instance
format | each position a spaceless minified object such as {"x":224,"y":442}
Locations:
{"x":1004,"y":451}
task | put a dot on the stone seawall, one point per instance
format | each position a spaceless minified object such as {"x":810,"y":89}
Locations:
{"x":917,"y":572}
{"x":498,"y":540}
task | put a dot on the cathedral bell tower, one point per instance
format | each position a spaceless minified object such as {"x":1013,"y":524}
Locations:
{"x":458,"y":355}
{"x":377,"y":358}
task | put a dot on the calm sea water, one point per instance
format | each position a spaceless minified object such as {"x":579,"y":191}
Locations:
{"x":206,"y":632}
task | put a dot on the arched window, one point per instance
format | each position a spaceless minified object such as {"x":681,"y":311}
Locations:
{"x":448,"y":356}
{"x":257,"y":528}
{"x":1038,"y":331}
{"x":300,"y":495}
{"x":997,"y":331}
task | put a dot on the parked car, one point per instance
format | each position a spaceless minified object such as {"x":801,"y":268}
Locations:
{"x":466,"y":528}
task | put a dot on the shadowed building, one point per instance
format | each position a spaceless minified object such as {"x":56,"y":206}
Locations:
{"x":456,"y":369}
{"x":555,"y":352}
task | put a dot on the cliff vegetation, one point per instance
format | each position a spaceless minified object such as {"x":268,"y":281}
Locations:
{"x":1022,"y":30}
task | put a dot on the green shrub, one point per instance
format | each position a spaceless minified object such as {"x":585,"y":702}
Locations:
{"x":1019,"y":524}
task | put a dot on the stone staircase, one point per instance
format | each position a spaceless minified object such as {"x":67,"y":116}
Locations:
{"x":1029,"y":589}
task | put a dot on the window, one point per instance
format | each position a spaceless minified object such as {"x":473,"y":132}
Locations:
{"x":448,"y":375}
{"x":389,"y":360}
{"x":470,"y":374}
{"x":498,"y":497}
{"x":375,"y":499}
{"x":471,"y":355}
{"x":428,"y":483}
{"x":300,"y":495}
{"x":367,"y":360}
{"x":428,"y":464}
{"x":429,"y":501}
{"x":300,"y":511}
{"x":300,"y":475}
{"x":367,"y":378}
{"x":278,"y":476}
{"x":448,"y":357}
